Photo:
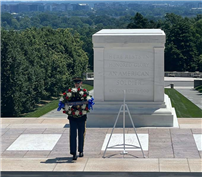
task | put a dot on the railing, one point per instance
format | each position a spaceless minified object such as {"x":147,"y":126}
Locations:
{"x":183,"y":74}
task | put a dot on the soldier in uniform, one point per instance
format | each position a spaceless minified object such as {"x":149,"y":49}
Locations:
{"x":77,"y":123}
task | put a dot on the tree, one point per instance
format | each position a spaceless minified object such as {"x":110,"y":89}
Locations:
{"x":180,"y":53}
{"x":36,"y":64}
{"x":13,"y":78}
{"x":139,"y":22}
{"x":197,"y":33}
{"x":25,"y":23}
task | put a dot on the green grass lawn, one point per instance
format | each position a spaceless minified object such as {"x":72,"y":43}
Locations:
{"x":88,"y":87}
{"x":43,"y":109}
{"x":53,"y":104}
{"x":183,"y":107}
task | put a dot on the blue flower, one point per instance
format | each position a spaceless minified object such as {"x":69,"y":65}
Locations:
{"x":90,"y":103}
{"x":60,"y":105}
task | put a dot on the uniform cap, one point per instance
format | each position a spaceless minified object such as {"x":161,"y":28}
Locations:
{"x":77,"y":79}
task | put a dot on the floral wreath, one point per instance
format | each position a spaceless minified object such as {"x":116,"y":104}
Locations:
{"x":73,"y":108}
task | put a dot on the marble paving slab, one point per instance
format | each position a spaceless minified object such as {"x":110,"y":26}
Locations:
{"x":41,"y":125}
{"x":130,"y":139}
{"x":122,"y":165}
{"x":35,"y":142}
{"x":26,"y":164}
{"x":198,"y":140}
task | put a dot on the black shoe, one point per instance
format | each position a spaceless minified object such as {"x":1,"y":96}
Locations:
{"x":80,"y":154}
{"x":74,"y":157}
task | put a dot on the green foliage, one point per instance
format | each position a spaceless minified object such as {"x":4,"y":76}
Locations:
{"x":36,"y":64}
{"x":183,"y":50}
{"x":181,"y":53}
{"x":199,"y":88}
{"x":138,"y":22}
{"x":183,"y":107}
{"x":197,"y":33}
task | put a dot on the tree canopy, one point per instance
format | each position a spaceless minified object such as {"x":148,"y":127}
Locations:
{"x":36,"y":64}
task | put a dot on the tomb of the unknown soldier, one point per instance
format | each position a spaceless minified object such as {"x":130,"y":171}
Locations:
{"x":130,"y":60}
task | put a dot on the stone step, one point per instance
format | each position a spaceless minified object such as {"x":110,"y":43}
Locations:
{"x":98,"y":174}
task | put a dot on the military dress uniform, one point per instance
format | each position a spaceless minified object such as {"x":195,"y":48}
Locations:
{"x":77,"y":123}
{"x":80,"y":124}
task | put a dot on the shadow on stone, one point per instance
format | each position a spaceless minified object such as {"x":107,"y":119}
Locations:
{"x":121,"y":156}
{"x":66,"y":126}
{"x":129,"y":155}
{"x":59,"y":160}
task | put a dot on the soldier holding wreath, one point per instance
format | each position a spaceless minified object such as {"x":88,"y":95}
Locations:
{"x":76,"y":102}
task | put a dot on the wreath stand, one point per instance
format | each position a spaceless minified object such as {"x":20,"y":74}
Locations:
{"x":124,"y":108}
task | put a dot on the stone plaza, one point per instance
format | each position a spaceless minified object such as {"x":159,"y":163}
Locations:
{"x":167,"y":150}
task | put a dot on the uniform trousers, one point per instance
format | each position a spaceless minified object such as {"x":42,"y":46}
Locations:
{"x":80,"y":125}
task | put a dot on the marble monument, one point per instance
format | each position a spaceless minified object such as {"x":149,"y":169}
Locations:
{"x":131,"y":60}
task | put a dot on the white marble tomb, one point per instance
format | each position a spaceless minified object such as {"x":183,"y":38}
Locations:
{"x":131,"y":60}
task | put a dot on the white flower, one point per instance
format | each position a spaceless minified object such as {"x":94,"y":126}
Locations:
{"x":66,"y":107}
{"x":76,"y":112}
{"x":88,"y":98}
{"x":84,"y":112}
{"x":81,"y":93}
{"x":83,"y":106}
{"x":61,"y":99}
{"x":69,"y":94}
{"x":69,"y":112}
{"x":74,"y":90}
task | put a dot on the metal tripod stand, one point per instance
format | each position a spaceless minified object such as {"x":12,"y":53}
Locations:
{"x":124,"y":108}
